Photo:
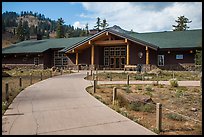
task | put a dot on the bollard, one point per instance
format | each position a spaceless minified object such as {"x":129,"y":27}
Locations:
{"x":158,"y":116}
{"x":128,"y":80}
{"x":20,"y":82}
{"x":114,"y":94}
{"x":30,"y":78}
{"x":94,"y":88}
{"x":69,"y":70}
{"x":103,"y":70}
{"x":40,"y":75}
{"x":93,"y":76}
{"x":7,"y":92}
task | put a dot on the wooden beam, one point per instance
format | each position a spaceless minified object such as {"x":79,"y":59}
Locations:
{"x":77,"y":58}
{"x":89,"y":42}
{"x":107,"y":33}
{"x":128,"y":54}
{"x":126,"y":40}
{"x":147,"y":55}
{"x":92,"y":54}
{"x":110,"y":42}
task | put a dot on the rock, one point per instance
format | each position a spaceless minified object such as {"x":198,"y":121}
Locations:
{"x":194,"y":109}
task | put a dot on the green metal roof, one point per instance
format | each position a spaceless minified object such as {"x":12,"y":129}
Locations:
{"x":171,"y":39}
{"x":162,"y":40}
{"x":38,"y":46}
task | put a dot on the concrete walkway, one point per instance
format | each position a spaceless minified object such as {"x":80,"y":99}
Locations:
{"x":61,"y":105}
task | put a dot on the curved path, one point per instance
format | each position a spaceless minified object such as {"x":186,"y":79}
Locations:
{"x":61,"y":105}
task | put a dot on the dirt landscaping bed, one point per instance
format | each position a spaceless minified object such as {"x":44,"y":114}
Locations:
{"x":186,"y":101}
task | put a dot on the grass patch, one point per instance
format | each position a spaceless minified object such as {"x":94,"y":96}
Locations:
{"x":175,"y":117}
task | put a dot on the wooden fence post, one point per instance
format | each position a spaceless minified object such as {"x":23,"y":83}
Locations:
{"x":94,"y":88}
{"x":128,"y":79}
{"x":61,"y":70}
{"x":7,"y":92}
{"x":87,"y":74}
{"x":173,"y":74}
{"x":20,"y":82}
{"x":114,"y":94}
{"x":30,"y":78}
{"x":157,"y":78}
{"x":103,"y":70}
{"x":91,"y":73}
{"x":50,"y":73}
{"x":41,"y":76}
{"x":158,"y":116}
{"x":110,"y":76}
{"x":78,"y":68}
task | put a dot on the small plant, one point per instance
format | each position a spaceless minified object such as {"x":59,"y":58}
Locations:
{"x":173,"y":82}
{"x":138,"y":77}
{"x":176,"y":117}
{"x":179,"y":93}
{"x":148,"y":88}
{"x":139,"y":87}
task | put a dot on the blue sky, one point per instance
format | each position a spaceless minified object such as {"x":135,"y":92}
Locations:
{"x":139,"y":16}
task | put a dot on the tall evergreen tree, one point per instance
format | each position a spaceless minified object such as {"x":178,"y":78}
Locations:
{"x":26,"y":30}
{"x":87,"y":29}
{"x":60,"y":28}
{"x":104,"y":24}
{"x":181,"y":24}
{"x":98,"y":24}
{"x":20,"y":31}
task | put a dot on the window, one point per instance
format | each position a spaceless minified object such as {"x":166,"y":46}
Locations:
{"x":160,"y":60}
{"x":179,"y":56}
{"x":106,"y":61}
{"x":36,"y":61}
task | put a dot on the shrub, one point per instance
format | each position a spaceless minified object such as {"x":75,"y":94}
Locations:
{"x":176,"y":117}
{"x":173,"y":82}
{"x":139,"y":106}
{"x":139,"y":87}
{"x":148,"y":88}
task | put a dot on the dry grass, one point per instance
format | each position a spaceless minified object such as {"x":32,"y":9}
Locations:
{"x":172,"y":124}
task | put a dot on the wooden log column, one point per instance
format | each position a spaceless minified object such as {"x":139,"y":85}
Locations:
{"x":92,"y":54}
{"x":77,"y":58}
{"x":147,"y":55}
{"x":128,"y":53}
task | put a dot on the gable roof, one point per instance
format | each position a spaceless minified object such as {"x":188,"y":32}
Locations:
{"x":155,"y":40}
{"x":38,"y":46}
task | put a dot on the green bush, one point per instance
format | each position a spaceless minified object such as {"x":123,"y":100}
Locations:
{"x":139,"y":106}
{"x":176,"y":117}
{"x":148,"y":88}
{"x":173,"y":82}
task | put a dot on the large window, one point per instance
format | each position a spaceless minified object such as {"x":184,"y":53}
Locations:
{"x":160,"y":60}
{"x":60,"y":60}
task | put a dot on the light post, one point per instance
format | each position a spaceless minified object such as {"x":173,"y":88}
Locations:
{"x":140,"y":54}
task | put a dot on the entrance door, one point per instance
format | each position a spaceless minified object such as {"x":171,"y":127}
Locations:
{"x":117,"y":62}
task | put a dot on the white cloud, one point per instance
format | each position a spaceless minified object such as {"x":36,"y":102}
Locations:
{"x":77,"y":24}
{"x":141,"y":18}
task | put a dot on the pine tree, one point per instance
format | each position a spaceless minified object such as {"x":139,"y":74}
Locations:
{"x":60,"y":28}
{"x":20,"y":31}
{"x":87,"y":29}
{"x":98,"y":24}
{"x":182,"y":24}
{"x":26,"y":30}
{"x":104,"y":24}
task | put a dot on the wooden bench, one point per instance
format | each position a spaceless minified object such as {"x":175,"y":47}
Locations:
{"x":130,"y":67}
